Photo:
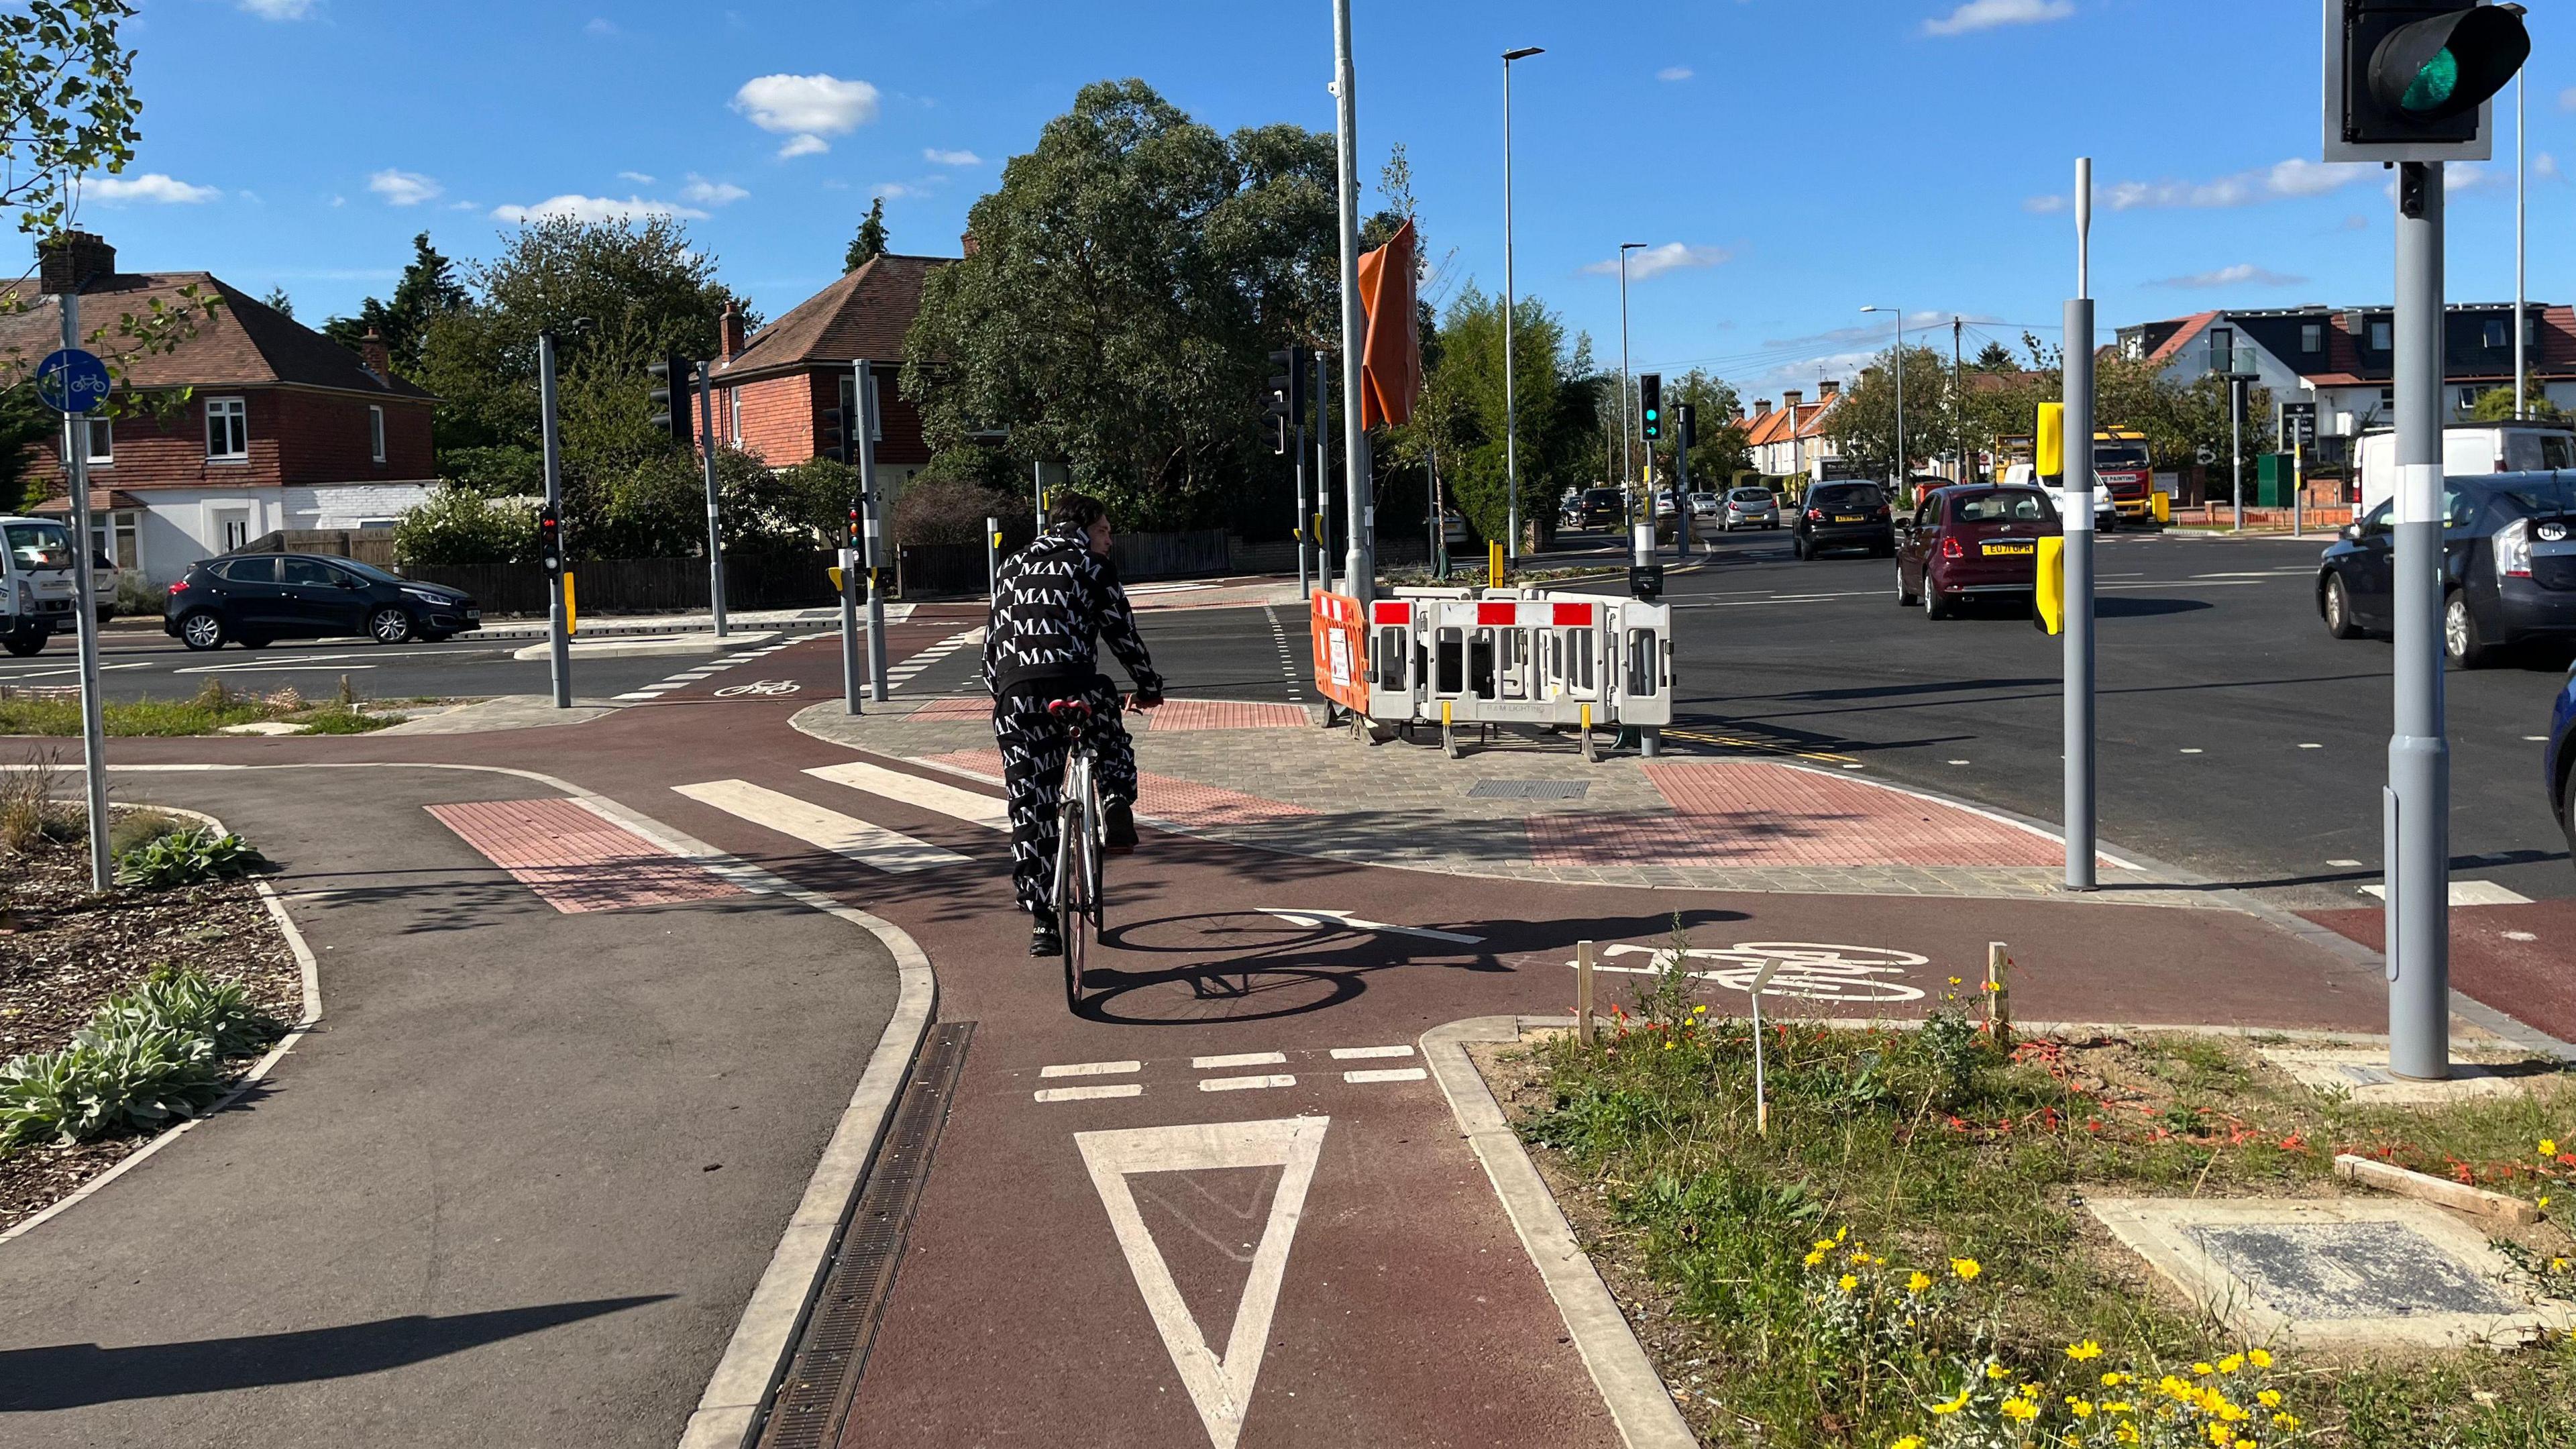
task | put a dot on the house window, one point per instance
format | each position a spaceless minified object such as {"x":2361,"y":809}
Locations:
{"x":2387,"y":398}
{"x":102,"y":442}
{"x":876,"y":410}
{"x":2312,"y":337}
{"x":2379,"y":337}
{"x":2468,"y":398}
{"x":376,"y":432}
{"x":733,"y":415}
{"x":114,"y":536}
{"x":2495,"y":332}
{"x":227,"y":430}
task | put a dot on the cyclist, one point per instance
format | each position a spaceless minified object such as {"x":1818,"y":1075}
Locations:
{"x":1054,"y":602}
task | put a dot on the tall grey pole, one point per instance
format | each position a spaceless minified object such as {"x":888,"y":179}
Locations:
{"x":852,"y":685}
{"x":715,"y":530}
{"x":2418,"y":801}
{"x":1511,"y":321}
{"x":2078,"y":528}
{"x":560,"y":639}
{"x":992,"y":560}
{"x":2521,"y":409}
{"x":1901,"y":470}
{"x":872,"y":522}
{"x":1641,"y":525}
{"x":1323,"y":476}
{"x":1037,"y":491}
{"x":85,"y":616}
{"x":1360,"y":564}
{"x":2236,"y":440}
{"x":1304,"y":515}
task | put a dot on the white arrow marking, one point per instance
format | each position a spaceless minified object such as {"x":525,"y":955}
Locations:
{"x":1349,"y":922}
{"x":1221,"y":1386}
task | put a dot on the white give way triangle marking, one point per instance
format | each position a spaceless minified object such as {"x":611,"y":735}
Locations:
{"x":1348,"y":921}
{"x":1220,"y":1385}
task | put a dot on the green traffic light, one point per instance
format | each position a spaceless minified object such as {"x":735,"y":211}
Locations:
{"x":2434,"y":83}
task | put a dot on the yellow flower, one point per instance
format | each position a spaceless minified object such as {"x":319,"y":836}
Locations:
{"x":1815,"y":1258}
{"x":2544,"y":1201}
{"x":1822,"y":1245}
{"x":1842,"y":1232}
{"x":2558,"y":1265}
{"x":2020,"y":1409}
{"x":2082,"y":1351}
{"x":1910,"y":1441}
{"x":2127,"y":1433}
{"x":1954,"y":980}
{"x":1847,"y":1283}
{"x":2219,"y":1435}
{"x":1698,"y":1010}
{"x":2285,"y":1421}
{"x":2117,"y":1406}
{"x":1994,"y":1370}
{"x":2030,"y":1391}
{"x":2114,"y":1379}
{"x":1860,"y":1259}
{"x":2080,"y":1408}
{"x":2549,"y":1147}
{"x":2269,"y":1398}
{"x":2204,"y":1370}
{"x":1966,"y":1268}
{"x":2260,"y":1358}
{"x":1917,"y":1281}
{"x":1668,"y":1043}
{"x":1954,"y":1405}
{"x":2231,"y":1363}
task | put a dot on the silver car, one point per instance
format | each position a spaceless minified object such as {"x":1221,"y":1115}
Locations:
{"x":1750,"y":508}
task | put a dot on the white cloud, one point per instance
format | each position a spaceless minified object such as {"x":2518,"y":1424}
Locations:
{"x":278,"y":9}
{"x":2567,"y":99}
{"x":2354,"y":222}
{"x":1674,"y":73}
{"x":1671,"y":256}
{"x":2044,"y":205}
{"x":2293,"y":178}
{"x":1978,"y":15}
{"x":592,"y":209}
{"x":151,"y":186}
{"x":806,"y":108}
{"x":938,"y":157}
{"x":2544,"y":165}
{"x":403,"y":188}
{"x":2299,"y":176}
{"x":2243,"y":274}
{"x":601,"y":25}
{"x":711,"y":193}
{"x":638,"y":177}
{"x":893,"y":190}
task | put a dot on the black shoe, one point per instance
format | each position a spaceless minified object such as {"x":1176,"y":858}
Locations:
{"x":1117,"y":825}
{"x":1044,"y":940}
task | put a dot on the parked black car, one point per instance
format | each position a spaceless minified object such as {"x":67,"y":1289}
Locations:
{"x":1600,"y":508}
{"x":2508,"y":567}
{"x":253,"y":598}
{"x":1843,"y":515}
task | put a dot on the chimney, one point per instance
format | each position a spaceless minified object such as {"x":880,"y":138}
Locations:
{"x":728,"y":334}
{"x":966,"y":241}
{"x":1825,"y":390}
{"x":378,"y":357}
{"x":1790,"y":398}
{"x":1762,"y":407}
{"x":72,"y":261}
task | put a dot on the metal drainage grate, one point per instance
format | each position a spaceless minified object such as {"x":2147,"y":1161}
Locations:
{"x":1528,"y":789}
{"x":809,"y":1405}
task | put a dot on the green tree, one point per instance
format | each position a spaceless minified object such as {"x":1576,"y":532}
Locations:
{"x":1995,"y":357}
{"x":1717,"y":450}
{"x":1131,"y":276}
{"x":2495,"y":405}
{"x":1863,"y":424}
{"x":427,"y":291}
{"x":870,"y":243}
{"x":277,"y":301}
{"x":1463,"y":410}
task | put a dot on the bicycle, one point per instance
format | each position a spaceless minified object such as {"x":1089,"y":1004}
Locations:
{"x":1077,"y":881}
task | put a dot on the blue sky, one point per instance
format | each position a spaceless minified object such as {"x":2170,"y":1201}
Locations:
{"x":1792,"y":160}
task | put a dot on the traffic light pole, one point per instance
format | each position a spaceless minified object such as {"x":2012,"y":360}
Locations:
{"x":2078,"y":528}
{"x":2417,"y":803}
{"x":1360,"y":565}
{"x":1305,"y":584}
{"x":873,"y":557}
{"x":715,"y":531}
{"x":559,"y":642}
{"x":1323,"y":474}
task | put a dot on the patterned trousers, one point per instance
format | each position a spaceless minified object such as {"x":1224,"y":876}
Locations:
{"x":1034,"y":749}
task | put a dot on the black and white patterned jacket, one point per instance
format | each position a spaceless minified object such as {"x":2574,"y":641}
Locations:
{"x":1053,"y":604}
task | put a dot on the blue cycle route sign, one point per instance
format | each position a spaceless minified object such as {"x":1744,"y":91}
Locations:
{"x":72,"y":381}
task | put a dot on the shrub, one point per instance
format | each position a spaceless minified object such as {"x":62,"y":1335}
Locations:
{"x":134,"y":829}
{"x":947,"y":510}
{"x":185,"y":857}
{"x":102,"y":1082}
{"x":190,"y":1003}
{"x":28,"y":815}
{"x":456,"y":526}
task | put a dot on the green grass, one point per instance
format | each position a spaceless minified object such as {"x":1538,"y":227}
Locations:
{"x":1934,"y":1146}
{"x":60,"y":715}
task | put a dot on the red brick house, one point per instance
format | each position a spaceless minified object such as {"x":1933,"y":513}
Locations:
{"x":772,"y":393}
{"x":285,"y":428}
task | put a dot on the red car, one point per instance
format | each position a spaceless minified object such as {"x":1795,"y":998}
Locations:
{"x":1974,"y":538}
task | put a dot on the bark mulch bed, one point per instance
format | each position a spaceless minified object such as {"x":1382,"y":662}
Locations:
{"x":63,"y":951}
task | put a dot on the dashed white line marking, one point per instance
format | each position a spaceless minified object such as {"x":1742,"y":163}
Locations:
{"x":1387,"y":1074}
{"x":2469,"y":893}
{"x":2342,"y":864}
{"x":2306,"y":746}
{"x":2537,"y":739}
{"x":1089,"y":1094}
{"x":1239,"y":1059}
{"x":1346,"y":1054}
{"x":1245,"y":1084}
{"x":1958,"y":762}
{"x":871,"y":845}
{"x":1091,"y":1069}
{"x":931,"y":795}
{"x":2190,"y":752}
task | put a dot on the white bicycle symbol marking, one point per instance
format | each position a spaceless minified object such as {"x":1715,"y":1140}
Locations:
{"x":764,"y":686}
{"x":1811,"y":970}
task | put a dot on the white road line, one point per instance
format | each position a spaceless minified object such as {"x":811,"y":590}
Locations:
{"x":2468,"y":893}
{"x":641,"y":694}
{"x":2342,"y":863}
{"x":2311,"y":747}
{"x":1239,"y":1059}
{"x":871,"y":845}
{"x":1346,"y":1054}
{"x":1091,"y":1069}
{"x":1349,"y":922}
{"x":1245,"y":1084}
{"x":1386,"y":1074}
{"x":258,"y":668}
{"x":1088,"y":1094}
{"x":929,"y":795}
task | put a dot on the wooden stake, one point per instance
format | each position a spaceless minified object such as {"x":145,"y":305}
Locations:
{"x":1583,"y":992}
{"x":1998,"y":993}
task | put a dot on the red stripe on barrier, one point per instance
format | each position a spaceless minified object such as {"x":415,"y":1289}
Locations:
{"x":1574,"y":615}
{"x":1394,"y":611}
{"x":1497,"y":613}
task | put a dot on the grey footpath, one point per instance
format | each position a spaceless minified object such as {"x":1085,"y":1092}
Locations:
{"x":534,"y":1179}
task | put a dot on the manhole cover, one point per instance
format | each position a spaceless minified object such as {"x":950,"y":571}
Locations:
{"x":2349,"y":1270}
{"x":1528,"y":789}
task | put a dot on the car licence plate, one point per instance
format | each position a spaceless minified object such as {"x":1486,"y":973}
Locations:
{"x":474,"y":613}
{"x":1850,"y":518}
{"x":2008,"y":549}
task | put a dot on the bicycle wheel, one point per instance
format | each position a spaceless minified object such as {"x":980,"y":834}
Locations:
{"x":1072,"y":899}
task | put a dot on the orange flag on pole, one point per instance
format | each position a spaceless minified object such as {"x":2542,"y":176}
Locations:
{"x":1391,"y":361}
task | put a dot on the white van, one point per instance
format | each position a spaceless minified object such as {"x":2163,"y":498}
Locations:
{"x":36,"y":586}
{"x":2467,"y":448}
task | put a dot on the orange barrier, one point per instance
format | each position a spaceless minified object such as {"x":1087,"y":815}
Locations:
{"x":1341,"y":651}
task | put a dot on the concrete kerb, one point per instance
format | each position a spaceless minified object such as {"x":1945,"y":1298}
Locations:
{"x":764,"y":1339}
{"x":306,"y":965}
{"x":1629,"y":1386}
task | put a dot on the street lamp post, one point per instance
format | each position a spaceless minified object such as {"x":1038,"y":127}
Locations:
{"x":1900,"y":392}
{"x":1511,"y":409}
{"x":1645,"y":545}
{"x":2520,"y":409}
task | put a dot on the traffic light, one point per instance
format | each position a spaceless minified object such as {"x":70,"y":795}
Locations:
{"x":831,"y":440}
{"x":1283,"y":399}
{"x":670,"y":398}
{"x":550,"y":554}
{"x":1650,"y":396}
{"x":2408,"y":80}
{"x":858,"y":525}
{"x":1685,"y":427}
